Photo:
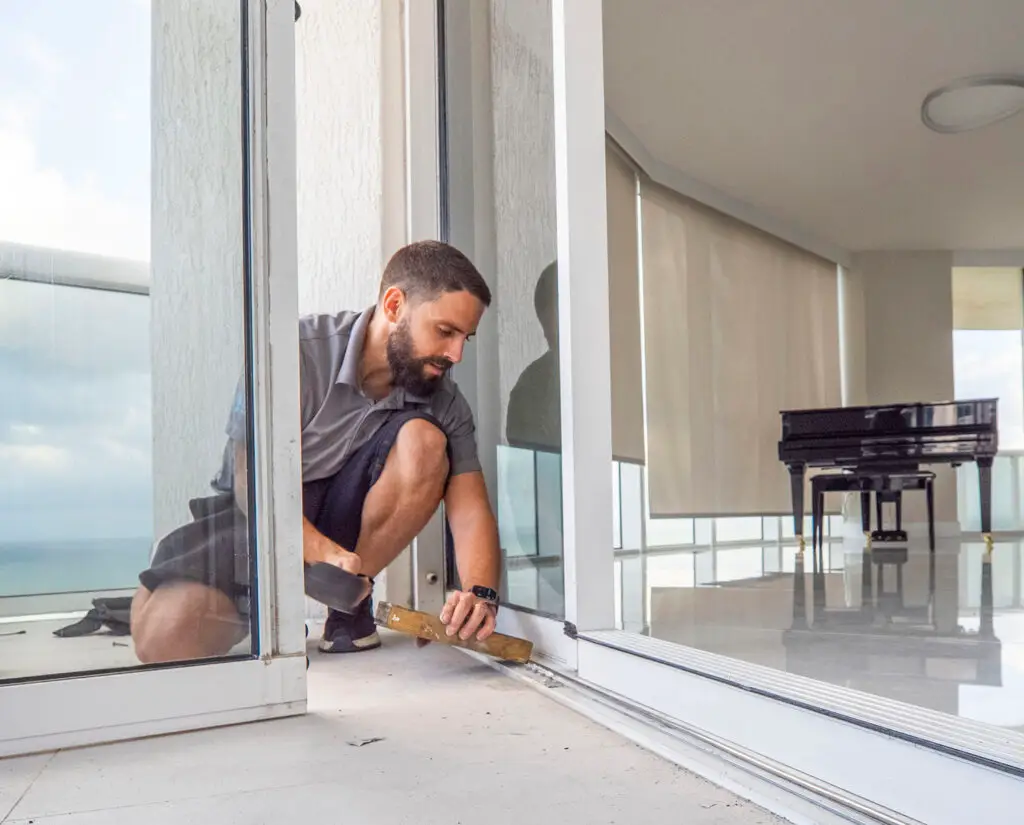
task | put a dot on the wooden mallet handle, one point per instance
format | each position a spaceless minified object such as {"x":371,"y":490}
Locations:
{"x":430,"y":627}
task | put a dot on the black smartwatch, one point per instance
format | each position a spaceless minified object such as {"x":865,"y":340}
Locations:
{"x":486,"y":594}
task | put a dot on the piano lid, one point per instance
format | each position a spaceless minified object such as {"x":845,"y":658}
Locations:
{"x":976,"y":402}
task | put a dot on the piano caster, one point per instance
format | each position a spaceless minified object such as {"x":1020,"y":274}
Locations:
{"x":867,"y":541}
{"x":988,"y":545}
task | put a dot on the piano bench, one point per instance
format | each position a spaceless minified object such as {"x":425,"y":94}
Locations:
{"x":888,"y":487}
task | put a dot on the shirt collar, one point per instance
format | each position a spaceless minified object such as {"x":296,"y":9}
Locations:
{"x":349,"y":372}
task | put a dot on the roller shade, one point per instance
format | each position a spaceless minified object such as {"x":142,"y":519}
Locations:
{"x":988,"y":298}
{"x":738,"y":325}
{"x":624,"y":310}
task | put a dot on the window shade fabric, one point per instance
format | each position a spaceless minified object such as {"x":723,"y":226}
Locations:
{"x":624,"y":310}
{"x":988,"y":298}
{"x":738,"y":325}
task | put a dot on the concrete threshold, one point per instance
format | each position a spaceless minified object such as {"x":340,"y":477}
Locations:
{"x":400,"y":735}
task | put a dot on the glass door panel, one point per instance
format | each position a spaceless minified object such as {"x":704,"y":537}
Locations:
{"x":500,"y":198}
{"x":124,"y":243}
{"x":127,"y":426}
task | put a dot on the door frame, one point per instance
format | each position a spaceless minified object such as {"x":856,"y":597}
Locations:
{"x":74,"y":710}
{"x":578,"y":119}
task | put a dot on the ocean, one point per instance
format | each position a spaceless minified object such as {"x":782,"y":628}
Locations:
{"x":37,"y":567}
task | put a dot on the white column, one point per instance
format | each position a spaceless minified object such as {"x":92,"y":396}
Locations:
{"x":342,"y":49}
{"x":584,"y":337}
{"x":196,"y":297}
{"x":350,"y":133}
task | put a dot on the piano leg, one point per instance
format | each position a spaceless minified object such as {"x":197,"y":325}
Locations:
{"x":986,"y":629}
{"x":866,"y":588}
{"x":865,"y":517}
{"x":796,"y":484}
{"x":799,"y":594}
{"x":817,"y":517}
{"x":985,"y":488}
{"x":929,"y":492}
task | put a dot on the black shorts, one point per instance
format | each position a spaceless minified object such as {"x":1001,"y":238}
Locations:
{"x":213,"y":548}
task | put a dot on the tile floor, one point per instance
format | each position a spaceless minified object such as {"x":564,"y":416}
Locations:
{"x":448,"y":740}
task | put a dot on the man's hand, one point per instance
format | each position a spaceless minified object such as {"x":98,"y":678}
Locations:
{"x":316,"y":547}
{"x":465,"y":614}
{"x":340,"y":557}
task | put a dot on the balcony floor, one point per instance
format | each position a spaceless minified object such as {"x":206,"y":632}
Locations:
{"x":458,"y":742}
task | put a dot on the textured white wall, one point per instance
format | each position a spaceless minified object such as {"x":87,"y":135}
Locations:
{"x":340,"y":146}
{"x":196,"y":290}
{"x":350,"y":168}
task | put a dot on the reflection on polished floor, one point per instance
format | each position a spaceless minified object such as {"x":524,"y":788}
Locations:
{"x":944,"y":632}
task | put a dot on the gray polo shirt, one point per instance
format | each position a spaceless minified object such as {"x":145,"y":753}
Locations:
{"x":337,"y":419}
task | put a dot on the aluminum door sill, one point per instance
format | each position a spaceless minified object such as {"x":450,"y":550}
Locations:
{"x":798,"y":798}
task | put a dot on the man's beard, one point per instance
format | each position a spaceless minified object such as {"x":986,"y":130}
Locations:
{"x":409,"y":372}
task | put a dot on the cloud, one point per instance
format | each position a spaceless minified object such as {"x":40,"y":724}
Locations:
{"x":39,"y":207}
{"x":75,"y":422}
{"x":41,"y":57}
{"x":19,"y":459}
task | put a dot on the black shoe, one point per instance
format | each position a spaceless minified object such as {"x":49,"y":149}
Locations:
{"x":350,"y":634}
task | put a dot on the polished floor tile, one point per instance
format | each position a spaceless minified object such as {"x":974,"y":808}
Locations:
{"x":944,"y":632}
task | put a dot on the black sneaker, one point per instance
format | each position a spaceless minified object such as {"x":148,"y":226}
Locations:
{"x":350,"y":634}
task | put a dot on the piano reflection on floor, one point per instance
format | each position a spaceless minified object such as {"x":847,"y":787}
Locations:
{"x":885,"y":645}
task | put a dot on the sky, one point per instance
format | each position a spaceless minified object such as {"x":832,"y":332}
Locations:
{"x":74,"y":125}
{"x":75,"y":432}
{"x":990,"y":363}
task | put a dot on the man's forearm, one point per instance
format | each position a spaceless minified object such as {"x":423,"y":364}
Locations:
{"x":478,"y":553}
{"x":316,"y":547}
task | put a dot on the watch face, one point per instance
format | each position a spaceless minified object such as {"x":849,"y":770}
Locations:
{"x":485,"y":593}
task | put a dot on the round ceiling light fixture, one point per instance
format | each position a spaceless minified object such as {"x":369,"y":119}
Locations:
{"x":973,"y":102}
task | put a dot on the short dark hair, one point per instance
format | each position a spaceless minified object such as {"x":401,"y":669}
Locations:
{"x":425,"y":270}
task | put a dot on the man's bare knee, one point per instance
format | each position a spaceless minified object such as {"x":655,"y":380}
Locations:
{"x":422,"y":451}
{"x":181,"y":621}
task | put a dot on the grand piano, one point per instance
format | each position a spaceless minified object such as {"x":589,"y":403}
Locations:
{"x":891,"y":439}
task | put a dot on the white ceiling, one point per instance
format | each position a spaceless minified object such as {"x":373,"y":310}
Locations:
{"x":809,"y":110}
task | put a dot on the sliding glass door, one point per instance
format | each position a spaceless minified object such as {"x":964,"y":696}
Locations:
{"x":144,"y":472}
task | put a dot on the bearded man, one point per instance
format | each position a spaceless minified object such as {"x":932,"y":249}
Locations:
{"x":386,"y":436}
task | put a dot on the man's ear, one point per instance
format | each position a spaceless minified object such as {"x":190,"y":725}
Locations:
{"x":392,"y":302}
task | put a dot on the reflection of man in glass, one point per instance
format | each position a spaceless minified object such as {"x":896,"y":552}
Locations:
{"x":386,"y":434}
{"x":534,"y":423}
{"x":534,"y":415}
